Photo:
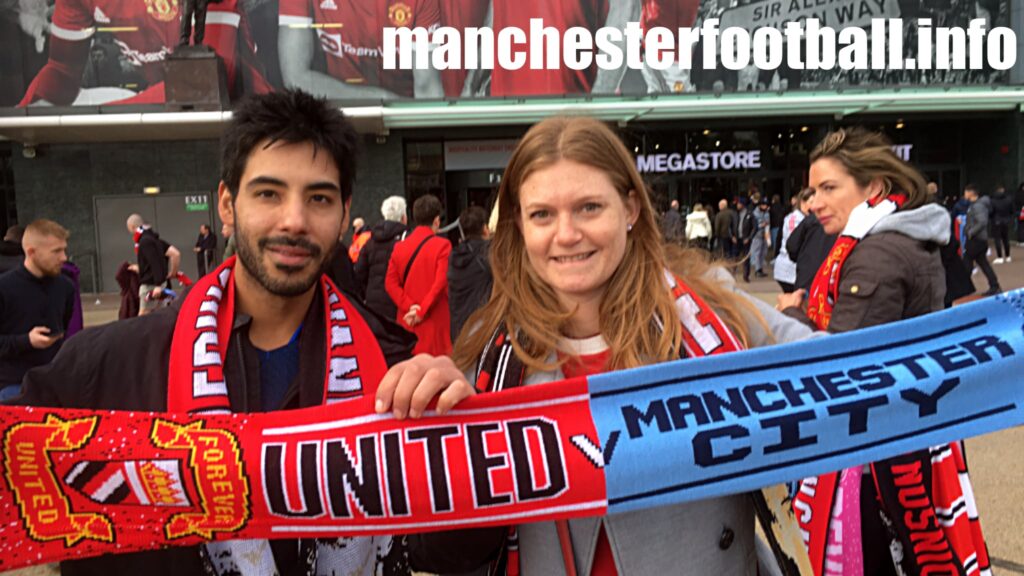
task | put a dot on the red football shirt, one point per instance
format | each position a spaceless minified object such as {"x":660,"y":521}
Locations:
{"x":351,"y":35}
{"x":562,"y":15}
{"x":672,"y":15}
{"x":460,"y":14}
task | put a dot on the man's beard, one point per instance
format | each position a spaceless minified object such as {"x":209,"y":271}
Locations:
{"x":252,"y":259}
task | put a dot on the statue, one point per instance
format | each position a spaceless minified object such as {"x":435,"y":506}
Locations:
{"x":198,"y":9}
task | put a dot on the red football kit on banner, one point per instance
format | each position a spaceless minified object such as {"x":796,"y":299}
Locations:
{"x":146,"y":31}
{"x":351,"y":35}
{"x":589,"y":14}
{"x":460,"y":14}
{"x":672,"y":15}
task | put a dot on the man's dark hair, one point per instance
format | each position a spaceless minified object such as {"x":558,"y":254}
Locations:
{"x":971,"y":188}
{"x":425,"y":209}
{"x":473,"y":220}
{"x":292,"y":117}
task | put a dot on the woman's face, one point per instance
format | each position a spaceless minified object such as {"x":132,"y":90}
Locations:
{"x":836,"y":194}
{"x":574,"y":225}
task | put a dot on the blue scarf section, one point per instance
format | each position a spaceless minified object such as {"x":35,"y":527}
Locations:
{"x":707,"y":427}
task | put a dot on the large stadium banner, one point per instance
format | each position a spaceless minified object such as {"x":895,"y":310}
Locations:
{"x":99,"y":52}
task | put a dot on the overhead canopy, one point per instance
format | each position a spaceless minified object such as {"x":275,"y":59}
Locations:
{"x":34,"y":126}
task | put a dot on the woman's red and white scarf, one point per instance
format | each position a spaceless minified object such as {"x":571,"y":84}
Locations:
{"x":947,"y":537}
{"x":197,"y":384}
{"x":704,"y":334}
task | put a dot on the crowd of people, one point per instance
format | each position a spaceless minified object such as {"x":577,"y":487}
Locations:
{"x":754,"y":234}
{"x":574,"y":274}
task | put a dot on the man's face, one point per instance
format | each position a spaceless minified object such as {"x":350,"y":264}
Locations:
{"x":48,"y":253}
{"x":287,"y":214}
{"x":970,"y":195}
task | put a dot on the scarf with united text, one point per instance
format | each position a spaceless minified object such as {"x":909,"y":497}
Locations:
{"x":197,"y":385}
{"x":926,"y":504}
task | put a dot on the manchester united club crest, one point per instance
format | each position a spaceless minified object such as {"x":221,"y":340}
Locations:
{"x":162,"y":10}
{"x":400,"y":14}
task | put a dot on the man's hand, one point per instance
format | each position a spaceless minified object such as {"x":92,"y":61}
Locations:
{"x":134,"y":268}
{"x":40,"y":339}
{"x":410,"y":386}
{"x":791,"y":300}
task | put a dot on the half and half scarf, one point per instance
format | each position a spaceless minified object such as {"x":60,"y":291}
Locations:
{"x":197,"y":385}
{"x":704,"y":334}
{"x":945,"y":537}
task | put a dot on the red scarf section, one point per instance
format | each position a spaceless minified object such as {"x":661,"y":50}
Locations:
{"x":73,"y":479}
{"x":928,"y":502}
{"x":196,"y":382}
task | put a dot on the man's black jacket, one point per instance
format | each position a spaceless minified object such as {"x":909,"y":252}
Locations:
{"x":124,"y":366}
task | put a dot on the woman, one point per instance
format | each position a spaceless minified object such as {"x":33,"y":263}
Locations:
{"x":698,"y":227}
{"x":884,"y":267}
{"x":808,"y":245}
{"x":582,"y":262}
{"x":785,"y":268}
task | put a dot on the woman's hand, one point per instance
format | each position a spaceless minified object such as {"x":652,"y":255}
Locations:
{"x":409,"y":386}
{"x":791,"y":300}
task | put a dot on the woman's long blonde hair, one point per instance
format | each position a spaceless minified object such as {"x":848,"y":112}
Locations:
{"x":637,"y":292}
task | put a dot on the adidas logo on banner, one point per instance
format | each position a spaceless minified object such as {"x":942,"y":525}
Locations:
{"x":100,"y":17}
{"x":328,"y":5}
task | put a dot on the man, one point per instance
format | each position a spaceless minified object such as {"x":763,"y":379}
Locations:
{"x":229,"y":240}
{"x":1002,"y":218}
{"x":672,"y":224}
{"x":190,"y":8}
{"x":776,"y":212}
{"x":36,"y":304}
{"x":725,"y":230}
{"x":288,"y":164}
{"x":761,"y":241}
{"x":417,"y":280}
{"x":145,"y":33}
{"x":372,"y":267}
{"x":158,"y":262}
{"x":348,"y":34}
{"x":11,"y":253}
{"x":360,"y":236}
{"x":747,"y":228}
{"x":976,"y":235}
{"x":469,"y":269}
{"x":205,"y":249}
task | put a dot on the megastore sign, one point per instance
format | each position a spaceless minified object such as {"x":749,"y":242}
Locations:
{"x":699,"y":162}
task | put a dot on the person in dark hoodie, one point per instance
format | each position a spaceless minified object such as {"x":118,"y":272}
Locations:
{"x":11,"y":254}
{"x":808,"y":244}
{"x":976,"y":234}
{"x":372,"y":265}
{"x":469,"y":270}
{"x":1002,"y":220}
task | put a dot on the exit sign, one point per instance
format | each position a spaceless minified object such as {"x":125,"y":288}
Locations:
{"x":197,"y":203}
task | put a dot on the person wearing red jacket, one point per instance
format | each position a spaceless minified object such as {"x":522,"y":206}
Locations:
{"x":417,"y":280}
